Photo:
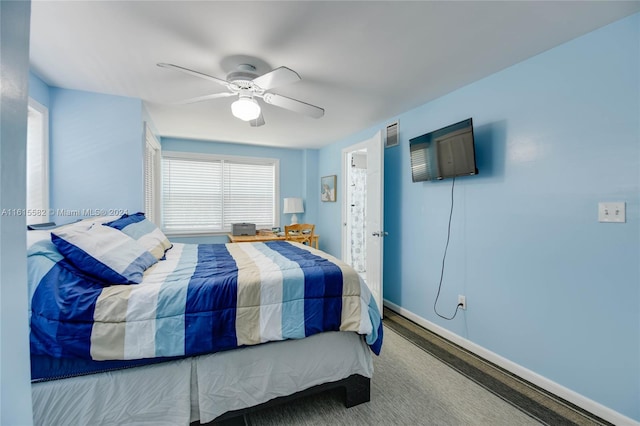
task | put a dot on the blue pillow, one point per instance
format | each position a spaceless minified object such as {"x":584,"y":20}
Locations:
{"x":103,"y":252}
{"x":141,"y":229}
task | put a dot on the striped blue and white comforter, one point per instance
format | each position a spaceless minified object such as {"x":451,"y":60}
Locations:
{"x":201,"y":299}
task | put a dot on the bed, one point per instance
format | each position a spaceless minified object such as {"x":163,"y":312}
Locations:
{"x":187,"y":333}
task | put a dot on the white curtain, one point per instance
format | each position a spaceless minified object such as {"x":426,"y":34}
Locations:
{"x":358,"y":197}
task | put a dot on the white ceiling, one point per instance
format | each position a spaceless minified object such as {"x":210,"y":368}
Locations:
{"x":363,"y":62}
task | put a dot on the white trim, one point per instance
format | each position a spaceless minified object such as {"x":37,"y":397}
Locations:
{"x":45,"y":153}
{"x":179,"y":234}
{"x":557,"y":389}
{"x":344,"y":252}
{"x":215,"y":157}
{"x":152,"y":143}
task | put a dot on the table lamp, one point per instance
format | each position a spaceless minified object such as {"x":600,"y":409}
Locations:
{"x":293,"y":205}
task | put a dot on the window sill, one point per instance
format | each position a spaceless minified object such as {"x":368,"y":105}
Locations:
{"x":181,"y":234}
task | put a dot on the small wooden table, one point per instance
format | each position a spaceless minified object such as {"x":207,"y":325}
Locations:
{"x":264,"y":236}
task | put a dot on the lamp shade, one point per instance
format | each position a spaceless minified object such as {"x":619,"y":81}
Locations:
{"x":293,"y":205}
{"x":245,"y":109}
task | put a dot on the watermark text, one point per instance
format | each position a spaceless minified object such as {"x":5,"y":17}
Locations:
{"x":63,"y":212}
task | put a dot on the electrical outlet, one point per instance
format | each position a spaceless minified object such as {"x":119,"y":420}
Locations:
{"x":462,"y":301}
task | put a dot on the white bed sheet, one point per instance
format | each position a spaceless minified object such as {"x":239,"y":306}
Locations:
{"x":204,"y":387}
{"x":151,"y":395}
{"x":264,"y":372}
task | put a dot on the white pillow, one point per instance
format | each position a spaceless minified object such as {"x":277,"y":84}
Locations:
{"x":103,"y":252}
{"x":35,"y":235}
{"x":145,"y":232}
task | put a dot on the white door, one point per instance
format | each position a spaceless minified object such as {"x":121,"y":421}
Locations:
{"x":374,"y":211}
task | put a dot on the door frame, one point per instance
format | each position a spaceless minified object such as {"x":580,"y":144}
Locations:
{"x":376,"y":285}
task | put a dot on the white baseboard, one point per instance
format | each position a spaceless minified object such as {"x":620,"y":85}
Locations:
{"x":567,"y":394}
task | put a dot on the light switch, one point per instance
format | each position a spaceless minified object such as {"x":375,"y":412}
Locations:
{"x":611,"y":212}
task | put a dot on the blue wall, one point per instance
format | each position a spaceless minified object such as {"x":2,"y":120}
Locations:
{"x":15,"y":388}
{"x":38,"y":89}
{"x":294,"y":166}
{"x":96,"y":153}
{"x":547,"y":286}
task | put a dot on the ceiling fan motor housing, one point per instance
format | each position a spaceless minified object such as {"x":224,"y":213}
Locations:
{"x":243,"y":76}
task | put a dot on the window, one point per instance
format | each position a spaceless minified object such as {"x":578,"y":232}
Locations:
{"x":207,"y":193}
{"x":37,"y":163}
{"x":151,"y":176}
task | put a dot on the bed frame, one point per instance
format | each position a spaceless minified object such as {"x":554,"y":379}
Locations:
{"x":356,"y":390}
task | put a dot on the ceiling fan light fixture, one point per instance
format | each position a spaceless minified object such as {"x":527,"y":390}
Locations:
{"x":245,"y":108}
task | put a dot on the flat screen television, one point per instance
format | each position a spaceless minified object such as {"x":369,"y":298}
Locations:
{"x":444,"y":153}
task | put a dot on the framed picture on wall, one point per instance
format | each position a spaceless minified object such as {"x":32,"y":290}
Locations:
{"x":328,"y":188}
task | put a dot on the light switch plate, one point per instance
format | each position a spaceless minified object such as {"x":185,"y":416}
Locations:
{"x":611,"y":212}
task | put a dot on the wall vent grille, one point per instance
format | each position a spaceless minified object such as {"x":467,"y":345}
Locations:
{"x":392,"y":135}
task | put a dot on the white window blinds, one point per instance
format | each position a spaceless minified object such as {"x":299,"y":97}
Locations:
{"x":208,"y":193}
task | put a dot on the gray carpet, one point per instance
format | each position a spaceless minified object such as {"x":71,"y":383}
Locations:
{"x":531,"y":399}
{"x":409,"y":387}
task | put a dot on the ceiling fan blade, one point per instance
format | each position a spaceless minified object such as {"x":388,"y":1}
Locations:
{"x":293,"y":105}
{"x":257,"y":122}
{"x":205,"y":98}
{"x":278,"y":77}
{"x":225,"y":83}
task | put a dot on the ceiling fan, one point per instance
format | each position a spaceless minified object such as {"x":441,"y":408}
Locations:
{"x":247,"y":85}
